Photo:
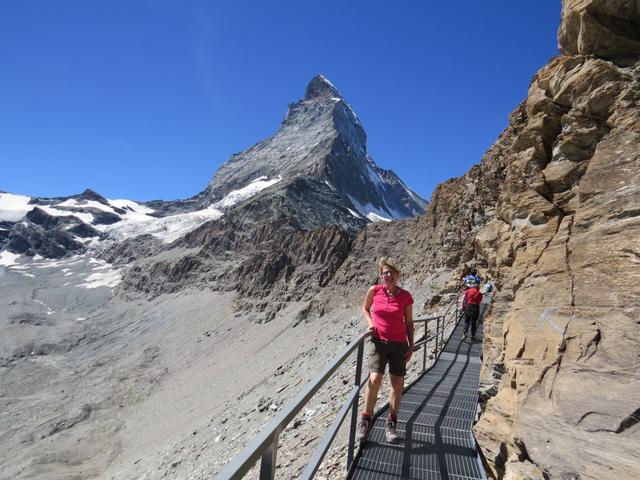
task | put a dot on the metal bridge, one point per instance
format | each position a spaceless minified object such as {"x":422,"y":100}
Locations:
{"x":434,"y":423}
{"x":435,"y":440}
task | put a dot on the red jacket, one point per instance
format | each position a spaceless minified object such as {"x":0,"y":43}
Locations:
{"x":472,"y":296}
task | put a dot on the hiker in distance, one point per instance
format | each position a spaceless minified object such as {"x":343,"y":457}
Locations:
{"x":471,"y":308}
{"x":391,"y":323}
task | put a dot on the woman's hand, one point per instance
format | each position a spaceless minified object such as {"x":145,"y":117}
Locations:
{"x":408,"y":354}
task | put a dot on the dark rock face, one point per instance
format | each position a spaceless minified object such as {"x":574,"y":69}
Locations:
{"x":267,"y":263}
{"x":5,"y":231}
{"x":125,"y":252}
{"x":30,"y":239}
{"x":51,"y":236}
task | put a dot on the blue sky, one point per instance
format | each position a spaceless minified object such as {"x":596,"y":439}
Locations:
{"x":145,"y":99}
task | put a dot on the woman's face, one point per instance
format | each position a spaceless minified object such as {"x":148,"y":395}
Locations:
{"x":388,"y":275}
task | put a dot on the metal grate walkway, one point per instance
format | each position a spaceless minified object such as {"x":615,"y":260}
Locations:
{"x":435,"y":441}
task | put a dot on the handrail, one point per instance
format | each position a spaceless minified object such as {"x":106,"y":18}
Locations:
{"x":265,"y":444}
{"x":266,"y":441}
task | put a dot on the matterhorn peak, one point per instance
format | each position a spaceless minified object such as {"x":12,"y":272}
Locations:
{"x":320,"y":148}
{"x":319,"y":86}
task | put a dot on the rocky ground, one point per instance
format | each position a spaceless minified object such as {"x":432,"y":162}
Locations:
{"x":97,"y":386}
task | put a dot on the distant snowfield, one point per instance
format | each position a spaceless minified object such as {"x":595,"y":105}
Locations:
{"x":13,"y":207}
{"x":166,"y":229}
{"x":87,"y":272}
{"x":77,"y":271}
{"x":8,"y":259}
{"x":103,"y":276}
{"x":237,"y":196}
{"x":137,"y":219}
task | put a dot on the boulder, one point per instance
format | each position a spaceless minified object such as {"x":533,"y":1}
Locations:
{"x":605,"y":28}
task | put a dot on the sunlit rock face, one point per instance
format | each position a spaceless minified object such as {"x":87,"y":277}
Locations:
{"x":608,"y":29}
{"x":561,"y":348}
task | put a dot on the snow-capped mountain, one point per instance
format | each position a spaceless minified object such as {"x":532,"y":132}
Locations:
{"x":321,"y":142}
{"x":56,"y":227}
{"x":314,"y":171}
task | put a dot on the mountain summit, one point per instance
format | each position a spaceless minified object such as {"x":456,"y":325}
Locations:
{"x":320,"y":87}
{"x":320,"y":147}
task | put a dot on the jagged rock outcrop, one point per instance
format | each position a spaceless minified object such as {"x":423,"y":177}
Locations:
{"x":49,"y":236}
{"x":561,"y":348}
{"x":267,"y":264}
{"x":606,"y":29}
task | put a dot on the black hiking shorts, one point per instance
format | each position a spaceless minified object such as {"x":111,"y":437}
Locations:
{"x":383,"y":352}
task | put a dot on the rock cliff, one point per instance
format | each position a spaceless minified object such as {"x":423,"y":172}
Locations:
{"x":561,"y":347}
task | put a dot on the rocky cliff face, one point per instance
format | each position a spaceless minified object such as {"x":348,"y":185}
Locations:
{"x":561,"y":348}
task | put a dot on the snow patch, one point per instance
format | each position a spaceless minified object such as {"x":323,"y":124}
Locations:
{"x":8,"y":259}
{"x":54,"y":212}
{"x":377,"y":218}
{"x":131,"y":206}
{"x":375,"y":176}
{"x":72,"y":202}
{"x":374,"y":214}
{"x":237,"y":196}
{"x":75,"y":260}
{"x":166,"y":229}
{"x":110,"y":278}
{"x":354,"y":213}
{"x":48,"y":310}
{"x":13,"y":207}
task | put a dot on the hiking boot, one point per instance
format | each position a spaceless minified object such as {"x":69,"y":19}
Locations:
{"x":464,"y":334}
{"x":390,"y":428}
{"x":364,"y":427}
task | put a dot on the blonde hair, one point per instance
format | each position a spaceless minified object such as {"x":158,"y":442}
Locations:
{"x":385,"y":262}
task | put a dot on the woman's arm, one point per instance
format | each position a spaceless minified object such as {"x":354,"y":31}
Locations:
{"x":366,"y":309}
{"x":408,"y":322}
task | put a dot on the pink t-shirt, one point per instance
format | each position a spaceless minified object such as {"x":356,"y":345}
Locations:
{"x":388,"y":313}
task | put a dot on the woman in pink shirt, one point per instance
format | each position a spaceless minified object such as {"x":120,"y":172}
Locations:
{"x":392,"y":325}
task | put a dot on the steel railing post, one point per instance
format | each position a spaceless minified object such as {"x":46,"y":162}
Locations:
{"x":268,"y":462}
{"x":425,"y":346}
{"x":354,"y":408}
{"x":437,"y":334}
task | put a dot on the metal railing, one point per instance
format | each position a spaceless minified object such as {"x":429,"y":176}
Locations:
{"x":265,"y":445}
